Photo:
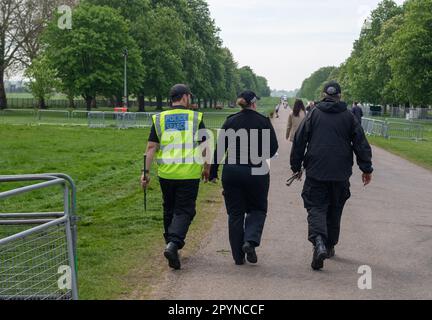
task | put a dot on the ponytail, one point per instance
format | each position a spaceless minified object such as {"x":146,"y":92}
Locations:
{"x":243,"y":103}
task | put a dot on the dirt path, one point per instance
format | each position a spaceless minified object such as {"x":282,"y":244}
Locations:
{"x":387,"y":226}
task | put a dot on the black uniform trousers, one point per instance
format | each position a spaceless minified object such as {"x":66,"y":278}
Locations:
{"x":246,"y":199}
{"x":325,"y":201}
{"x":179,"y":203}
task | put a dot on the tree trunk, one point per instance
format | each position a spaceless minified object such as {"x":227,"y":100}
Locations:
{"x":42,"y":104}
{"x":199,"y":103}
{"x":159,"y":102}
{"x":205,"y":103}
{"x":71,"y":102}
{"x":89,"y":101}
{"x":3,"y":100}
{"x":141,"y":103}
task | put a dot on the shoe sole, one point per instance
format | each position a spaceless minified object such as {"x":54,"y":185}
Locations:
{"x":173,"y":260}
{"x":251,"y":255}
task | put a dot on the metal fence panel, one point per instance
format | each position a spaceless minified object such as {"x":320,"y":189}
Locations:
{"x":96,"y":120}
{"x":53,"y":117}
{"x":38,"y":250}
{"x":18,"y":116}
{"x":393,"y":130}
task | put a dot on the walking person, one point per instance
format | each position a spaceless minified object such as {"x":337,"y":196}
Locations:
{"x":295,"y":119}
{"x":357,"y":112}
{"x":172,"y":142}
{"x":277,"y":109}
{"x":247,"y":141}
{"x":324,"y":145}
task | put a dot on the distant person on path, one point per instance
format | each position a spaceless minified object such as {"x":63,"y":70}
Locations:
{"x":172,"y":141}
{"x":277,"y":110}
{"x":324,"y":144}
{"x":357,"y":112}
{"x":295,"y":119}
{"x":246,"y":175}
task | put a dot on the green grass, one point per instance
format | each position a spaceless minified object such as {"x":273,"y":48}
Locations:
{"x":417,"y":152}
{"x":119,"y":245}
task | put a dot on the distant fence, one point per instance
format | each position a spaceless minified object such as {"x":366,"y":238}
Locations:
{"x":94,"y":119}
{"x":28,"y":103}
{"x":393,"y":130}
{"x":398,"y":112}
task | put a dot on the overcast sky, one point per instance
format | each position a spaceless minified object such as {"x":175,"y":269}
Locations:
{"x":287,"y":40}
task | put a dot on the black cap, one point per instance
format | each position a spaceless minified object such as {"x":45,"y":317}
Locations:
{"x":332,"y":88}
{"x":249,"y":96}
{"x":179,"y":90}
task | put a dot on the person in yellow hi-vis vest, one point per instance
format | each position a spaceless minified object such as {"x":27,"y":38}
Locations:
{"x":175,"y":142}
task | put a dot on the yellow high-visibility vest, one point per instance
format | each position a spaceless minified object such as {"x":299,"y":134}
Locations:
{"x":179,"y":156}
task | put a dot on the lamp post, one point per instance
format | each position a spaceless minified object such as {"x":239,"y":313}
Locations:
{"x":125,"y":97}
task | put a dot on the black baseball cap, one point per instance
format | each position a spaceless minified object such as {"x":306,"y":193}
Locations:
{"x":332,"y":88}
{"x":249,"y":96}
{"x":179,"y":90}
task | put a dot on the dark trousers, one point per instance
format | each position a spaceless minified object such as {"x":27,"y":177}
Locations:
{"x":246,"y":199}
{"x":179,"y":203}
{"x":325,"y":201}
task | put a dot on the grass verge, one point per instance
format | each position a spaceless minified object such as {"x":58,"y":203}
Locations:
{"x":419,"y":152}
{"x":119,"y":245}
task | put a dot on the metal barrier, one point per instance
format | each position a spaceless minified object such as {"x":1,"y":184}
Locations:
{"x":53,"y":116}
{"x":38,"y":258}
{"x":393,"y":130}
{"x":96,"y":119}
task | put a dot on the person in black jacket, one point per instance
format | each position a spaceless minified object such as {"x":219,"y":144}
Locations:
{"x":357,"y":112}
{"x":324,"y":145}
{"x":247,"y":141}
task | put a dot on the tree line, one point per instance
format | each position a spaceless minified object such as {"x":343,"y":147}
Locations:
{"x":167,"y":42}
{"x":391,"y":62}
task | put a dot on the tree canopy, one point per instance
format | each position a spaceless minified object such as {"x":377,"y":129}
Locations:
{"x":391,"y":62}
{"x":169,"y":41}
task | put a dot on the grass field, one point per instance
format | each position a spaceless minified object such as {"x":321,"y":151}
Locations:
{"x":119,"y":245}
{"x":417,"y":152}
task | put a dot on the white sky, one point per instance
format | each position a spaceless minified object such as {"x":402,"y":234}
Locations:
{"x":287,"y":40}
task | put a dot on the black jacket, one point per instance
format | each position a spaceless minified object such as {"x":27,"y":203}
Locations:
{"x":358,"y":113}
{"x":326,"y":141}
{"x":248,"y":120}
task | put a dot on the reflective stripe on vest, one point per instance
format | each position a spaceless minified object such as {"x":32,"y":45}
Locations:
{"x":179,"y":151}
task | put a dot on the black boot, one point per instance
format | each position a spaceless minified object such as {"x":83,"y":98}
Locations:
{"x":240,"y":262}
{"x":251,"y":255}
{"x":320,"y":254}
{"x":331,"y":252}
{"x":171,"y":253}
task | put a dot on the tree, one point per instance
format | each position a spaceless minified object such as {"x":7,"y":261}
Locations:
{"x":248,"y":80}
{"x":363,"y":66}
{"x":161,"y":38}
{"x":21,"y":25}
{"x":231,"y":76}
{"x":263,"y":88}
{"x":42,"y":80}
{"x":312,"y":84}
{"x":11,"y":15}
{"x":89,"y":58}
{"x":412,"y":65}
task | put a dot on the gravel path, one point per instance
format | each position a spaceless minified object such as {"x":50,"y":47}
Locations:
{"x":387,"y":226}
